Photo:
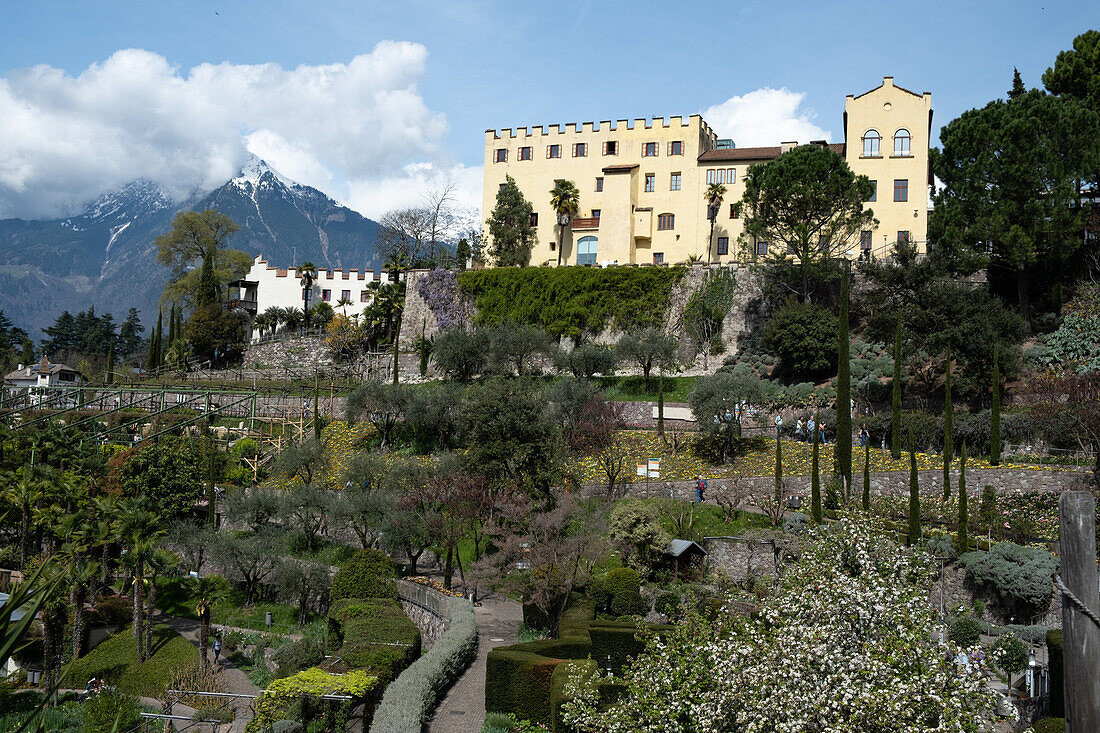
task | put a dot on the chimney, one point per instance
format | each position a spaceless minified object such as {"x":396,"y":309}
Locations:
{"x":20,"y":367}
{"x":888,"y":81}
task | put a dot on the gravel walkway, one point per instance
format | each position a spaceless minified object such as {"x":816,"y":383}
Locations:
{"x":463,"y":709}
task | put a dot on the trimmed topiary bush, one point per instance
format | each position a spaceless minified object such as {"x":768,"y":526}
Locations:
{"x":965,"y":631}
{"x":409,"y":701}
{"x":369,"y":574}
{"x":622,"y":587}
{"x":1020,"y":576}
{"x":374,"y":634}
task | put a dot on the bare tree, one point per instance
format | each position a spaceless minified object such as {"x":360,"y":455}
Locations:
{"x":437,"y":203}
{"x":402,"y":234}
{"x":771,"y":501}
{"x":731,"y":493}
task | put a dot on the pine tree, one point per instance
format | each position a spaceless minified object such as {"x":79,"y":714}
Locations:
{"x":867,"y":477}
{"x":109,"y":374}
{"x":948,"y":428}
{"x":895,"y":402}
{"x":1018,"y":87}
{"x":842,"y":455}
{"x":815,"y":477}
{"x":995,"y":413}
{"x":914,"y":496}
{"x":964,"y":518}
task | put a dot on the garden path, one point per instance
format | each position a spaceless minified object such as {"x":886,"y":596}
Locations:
{"x":463,"y":708}
{"x":233,"y":679}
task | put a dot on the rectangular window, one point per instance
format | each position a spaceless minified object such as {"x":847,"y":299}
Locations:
{"x":675,"y":148}
{"x":731,"y":176}
{"x":595,"y":213}
{"x":723,"y":245}
{"x":534,"y":218}
{"x":865,"y":240}
{"x":903,"y":239}
{"x":326,"y":295}
{"x":901,"y":189}
{"x":874,"y":191}
{"x":658,"y":258}
{"x":733,"y":211}
{"x":501,"y":187}
{"x":711,"y":176}
{"x":525,"y":153}
{"x":553,"y":151}
{"x":345,"y":295}
{"x":649,"y":150}
{"x":307,"y":295}
{"x":666,"y":222}
{"x":599,"y":185}
{"x":674,"y":182}
{"x":363,"y":296}
{"x":611,"y":147}
{"x":761,"y":248}
{"x":650,"y":183}
{"x":500,"y":155}
{"x":580,"y":150}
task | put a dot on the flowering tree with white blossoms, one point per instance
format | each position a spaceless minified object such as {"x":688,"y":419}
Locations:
{"x":846,"y":643}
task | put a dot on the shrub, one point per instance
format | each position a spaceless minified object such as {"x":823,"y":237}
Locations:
{"x":803,"y":336}
{"x":795,"y":523}
{"x":1020,"y":576}
{"x":409,"y":701}
{"x":668,"y":604}
{"x":622,"y":592}
{"x":498,"y":723}
{"x":941,"y":546}
{"x":280,"y":695}
{"x":1050,"y":725}
{"x":369,"y":574}
{"x":111,"y":611}
{"x":296,"y":656}
{"x":637,"y":526}
{"x":965,"y":631}
{"x":109,"y":711}
{"x":374,"y":634}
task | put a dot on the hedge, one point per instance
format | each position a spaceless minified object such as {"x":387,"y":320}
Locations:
{"x":409,"y":701}
{"x":591,"y":673}
{"x":518,"y":677}
{"x":281,"y":694}
{"x":572,"y":301}
{"x":374,"y":634}
{"x":369,"y":574}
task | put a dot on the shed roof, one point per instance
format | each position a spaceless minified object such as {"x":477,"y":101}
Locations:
{"x":676,"y":548}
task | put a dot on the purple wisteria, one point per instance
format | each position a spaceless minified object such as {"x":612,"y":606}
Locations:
{"x":439,"y":289}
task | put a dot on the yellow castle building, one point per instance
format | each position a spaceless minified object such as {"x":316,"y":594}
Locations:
{"x":642,"y":184}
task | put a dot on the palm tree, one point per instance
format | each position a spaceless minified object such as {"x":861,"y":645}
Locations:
{"x":24,"y":495}
{"x":292,"y":318}
{"x":274,"y":316}
{"x":395,"y":264}
{"x":141,"y":529}
{"x":81,"y":573}
{"x":564,"y":200}
{"x":103,"y":532}
{"x":160,"y":561}
{"x":260,"y":323}
{"x":205,"y":591}
{"x":713,"y":196}
{"x":344,"y":303}
{"x":308,"y":273}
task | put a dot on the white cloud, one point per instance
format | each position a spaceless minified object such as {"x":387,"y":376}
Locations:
{"x":338,"y":127}
{"x":765,"y":117}
{"x":407,"y":188}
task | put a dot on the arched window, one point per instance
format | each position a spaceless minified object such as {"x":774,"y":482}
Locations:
{"x":586,"y":251}
{"x":871,"y":140}
{"x":901,"y":142}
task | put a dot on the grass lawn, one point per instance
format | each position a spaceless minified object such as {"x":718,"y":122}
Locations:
{"x":173,"y":599}
{"x":632,"y":389}
{"x":115,"y":660}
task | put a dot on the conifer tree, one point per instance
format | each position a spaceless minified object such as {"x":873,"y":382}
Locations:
{"x":914,"y":496}
{"x":815,"y":477}
{"x":152,"y":358}
{"x":109,"y":374}
{"x":316,"y":413}
{"x":895,"y":401}
{"x":778,"y":468}
{"x":995,"y":413}
{"x":948,"y":428}
{"x":842,"y":455}
{"x":964,"y":518}
{"x":867,"y":477}
{"x":171,"y":329}
{"x":660,"y":403}
{"x":1018,"y":88}
{"x":511,"y":235}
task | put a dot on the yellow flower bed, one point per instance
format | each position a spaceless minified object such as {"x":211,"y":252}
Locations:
{"x":689,"y":462}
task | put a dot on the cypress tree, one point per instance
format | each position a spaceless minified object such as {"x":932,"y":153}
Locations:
{"x":154,"y":348}
{"x":660,"y":403}
{"x":396,"y":353}
{"x":171,"y":330}
{"x":914,"y":496}
{"x":895,"y":402}
{"x":842,"y":455}
{"x":815,"y":478}
{"x":208,"y":283}
{"x":109,"y":375}
{"x":964,"y":518}
{"x":867,"y":477}
{"x":316,"y":414}
{"x":423,"y":348}
{"x":948,"y":428}
{"x":995,"y":413}
{"x":778,"y":468}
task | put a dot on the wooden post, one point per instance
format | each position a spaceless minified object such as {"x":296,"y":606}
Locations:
{"x":1081,"y":634}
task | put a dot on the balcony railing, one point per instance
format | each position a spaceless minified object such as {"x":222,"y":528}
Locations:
{"x":591,"y":222}
{"x":248,"y":305}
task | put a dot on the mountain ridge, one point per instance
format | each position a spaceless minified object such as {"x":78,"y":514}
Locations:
{"x":106,"y":257}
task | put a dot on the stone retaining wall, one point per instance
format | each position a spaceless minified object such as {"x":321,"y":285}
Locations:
{"x":738,"y":558}
{"x":306,"y":351}
{"x":425,"y":607}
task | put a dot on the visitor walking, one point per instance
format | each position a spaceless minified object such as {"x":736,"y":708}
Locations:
{"x":800,"y":431}
{"x":810,"y":426}
{"x":864,"y":436}
{"x":700,"y":489}
{"x":822,"y":429}
{"x":217,"y":648}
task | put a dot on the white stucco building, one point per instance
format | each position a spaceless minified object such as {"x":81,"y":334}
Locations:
{"x":40,"y":378}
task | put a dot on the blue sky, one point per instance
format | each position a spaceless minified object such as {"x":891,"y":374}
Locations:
{"x":470,"y":66}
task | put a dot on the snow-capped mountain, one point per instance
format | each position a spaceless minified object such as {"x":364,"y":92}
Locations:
{"x":106,"y":256}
